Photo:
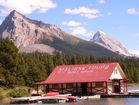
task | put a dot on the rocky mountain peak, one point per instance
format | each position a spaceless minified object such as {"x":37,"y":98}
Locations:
{"x":101,"y":36}
{"x":110,"y":43}
{"x":29,"y":35}
{"x":100,"y":33}
{"x":14,"y":13}
{"x":16,"y":16}
{"x":25,"y":32}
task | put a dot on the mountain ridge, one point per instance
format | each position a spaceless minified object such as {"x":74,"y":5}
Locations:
{"x":32,"y":35}
{"x":103,"y":39}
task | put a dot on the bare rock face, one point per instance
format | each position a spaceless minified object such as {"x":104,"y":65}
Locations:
{"x":110,"y":43}
{"x":37,"y":47}
{"x":31,"y":35}
{"x":25,"y":32}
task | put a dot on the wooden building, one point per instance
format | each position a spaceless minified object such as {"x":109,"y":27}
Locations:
{"x":87,"y":79}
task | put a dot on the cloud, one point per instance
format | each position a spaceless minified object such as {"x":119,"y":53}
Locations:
{"x":102,"y":1}
{"x":26,"y":6}
{"x":72,"y":23}
{"x":84,"y":12}
{"x":78,"y":30}
{"x":134,"y":52}
{"x":82,"y":32}
{"x":132,"y":11}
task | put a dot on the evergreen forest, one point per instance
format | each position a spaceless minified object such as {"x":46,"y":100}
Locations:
{"x":18,"y":69}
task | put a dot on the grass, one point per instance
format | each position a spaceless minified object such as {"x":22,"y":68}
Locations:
{"x":7,"y":93}
{"x":133,"y":84}
{"x":15,"y":92}
{"x":2,"y":93}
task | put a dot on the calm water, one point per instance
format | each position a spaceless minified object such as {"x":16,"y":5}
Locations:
{"x":102,"y":101}
{"x":108,"y":101}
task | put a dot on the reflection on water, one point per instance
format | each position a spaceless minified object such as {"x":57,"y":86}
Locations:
{"x":133,"y":88}
{"x":103,"y":101}
{"x":106,"y":101}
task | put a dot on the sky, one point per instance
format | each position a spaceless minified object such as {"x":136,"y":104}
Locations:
{"x":82,"y":18}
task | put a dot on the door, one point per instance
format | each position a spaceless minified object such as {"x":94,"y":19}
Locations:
{"x":84,"y":88}
{"x":116,"y":86}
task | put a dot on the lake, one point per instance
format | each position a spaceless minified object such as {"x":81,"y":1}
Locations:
{"x":102,"y":101}
{"x":107,"y":101}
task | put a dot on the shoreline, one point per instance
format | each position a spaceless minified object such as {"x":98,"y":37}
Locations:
{"x":133,"y":84}
{"x":5,"y":100}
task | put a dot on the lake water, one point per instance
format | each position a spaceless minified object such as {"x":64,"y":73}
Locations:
{"x":107,"y":101}
{"x":102,"y":101}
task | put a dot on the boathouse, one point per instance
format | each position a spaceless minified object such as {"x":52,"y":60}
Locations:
{"x":87,"y":79}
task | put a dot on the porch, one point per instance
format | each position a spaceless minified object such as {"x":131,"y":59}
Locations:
{"x":89,"y":88}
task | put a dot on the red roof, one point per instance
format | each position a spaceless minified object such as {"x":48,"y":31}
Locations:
{"x":82,"y":73}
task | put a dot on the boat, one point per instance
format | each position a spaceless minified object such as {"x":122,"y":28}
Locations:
{"x":51,"y":97}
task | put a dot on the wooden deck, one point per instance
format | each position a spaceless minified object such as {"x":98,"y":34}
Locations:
{"x":36,"y":99}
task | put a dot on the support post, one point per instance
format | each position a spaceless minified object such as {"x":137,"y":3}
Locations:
{"x":126,"y":87}
{"x":37,"y":89}
{"x":106,"y":87}
{"x":43,"y":89}
{"x":112,"y":86}
{"x":62,"y":88}
{"x":76,"y":88}
{"x":91,"y":88}
{"x":119,"y":85}
{"x":47,"y":88}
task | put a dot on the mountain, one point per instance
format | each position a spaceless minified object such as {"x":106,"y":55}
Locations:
{"x":31,"y":35}
{"x":110,"y":43}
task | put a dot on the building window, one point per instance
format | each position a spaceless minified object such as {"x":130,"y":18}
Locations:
{"x":55,"y":86}
{"x":99,"y":84}
{"x":115,"y":71}
{"x":69,"y":85}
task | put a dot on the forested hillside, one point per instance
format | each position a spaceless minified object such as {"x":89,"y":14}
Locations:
{"x":26,"y":69}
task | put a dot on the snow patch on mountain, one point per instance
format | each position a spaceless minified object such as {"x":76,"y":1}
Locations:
{"x":110,"y":43}
{"x":134,"y":52}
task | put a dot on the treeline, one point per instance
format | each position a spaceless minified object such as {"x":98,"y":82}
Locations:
{"x":26,"y":69}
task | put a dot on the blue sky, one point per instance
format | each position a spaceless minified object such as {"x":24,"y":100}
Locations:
{"x":82,"y":18}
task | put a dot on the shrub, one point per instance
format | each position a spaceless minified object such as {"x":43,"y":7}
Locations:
{"x":18,"y":93}
{"x":1,"y":93}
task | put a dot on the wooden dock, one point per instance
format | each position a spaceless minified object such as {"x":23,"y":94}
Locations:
{"x":36,"y":99}
{"x":90,"y":97}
